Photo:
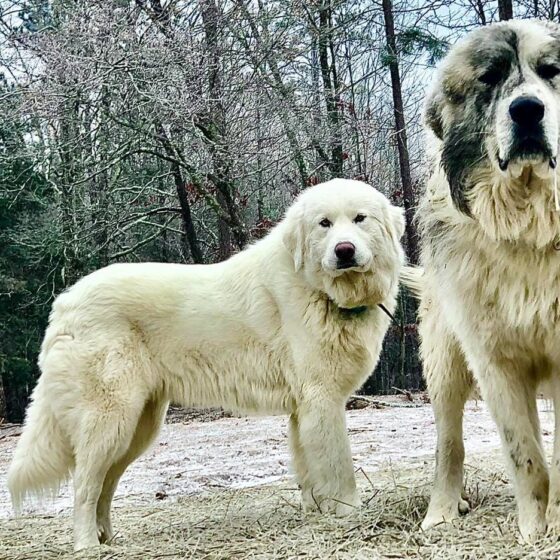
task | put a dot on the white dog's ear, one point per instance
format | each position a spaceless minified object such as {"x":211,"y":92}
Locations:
{"x":293,"y":235}
{"x":397,"y":222}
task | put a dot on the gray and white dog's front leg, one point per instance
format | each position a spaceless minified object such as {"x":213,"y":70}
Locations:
{"x":511,"y":397}
{"x":328,"y":483}
{"x":449,"y":384}
{"x":553,"y":509}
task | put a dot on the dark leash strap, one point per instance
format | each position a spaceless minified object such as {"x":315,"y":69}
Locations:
{"x":386,"y":311}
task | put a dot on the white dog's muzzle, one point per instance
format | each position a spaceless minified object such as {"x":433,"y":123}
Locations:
{"x":344,"y":255}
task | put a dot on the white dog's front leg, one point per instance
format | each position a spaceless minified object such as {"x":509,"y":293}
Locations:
{"x":329,"y":483}
{"x":511,"y":398}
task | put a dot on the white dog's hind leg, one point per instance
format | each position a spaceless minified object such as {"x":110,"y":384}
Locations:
{"x":105,"y":435}
{"x":511,"y":398}
{"x":553,"y":508}
{"x":449,"y":385}
{"x":93,"y":460}
{"x":322,"y":432}
{"x":146,"y":431}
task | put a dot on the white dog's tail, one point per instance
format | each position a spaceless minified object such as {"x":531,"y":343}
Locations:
{"x":413,"y":278}
{"x":42,"y":459}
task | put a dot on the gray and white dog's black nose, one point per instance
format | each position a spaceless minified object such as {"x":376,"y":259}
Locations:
{"x":526,"y":111}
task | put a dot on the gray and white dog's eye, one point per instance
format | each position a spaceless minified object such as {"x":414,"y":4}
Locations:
{"x":548,"y":71}
{"x":492,"y":77}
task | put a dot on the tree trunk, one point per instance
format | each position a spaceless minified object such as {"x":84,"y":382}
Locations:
{"x":190,"y":234}
{"x":3,"y":407}
{"x":214,"y":130}
{"x":352,"y":111}
{"x":479,"y":9}
{"x":331,"y":87}
{"x":190,"y":237}
{"x":277,"y":81}
{"x":400,"y":126}
{"x":505,"y":8}
{"x":69,"y":153}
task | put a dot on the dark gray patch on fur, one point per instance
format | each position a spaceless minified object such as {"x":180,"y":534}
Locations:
{"x":494,"y":47}
{"x":515,"y":458}
{"x":493,"y":52}
{"x":432,"y":231}
{"x":538,"y":497}
{"x":462,"y":150}
{"x":508,"y":435}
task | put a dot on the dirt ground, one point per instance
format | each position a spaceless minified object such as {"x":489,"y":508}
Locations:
{"x":219,"y":489}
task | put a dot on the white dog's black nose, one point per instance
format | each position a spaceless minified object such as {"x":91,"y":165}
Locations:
{"x":345,"y":251}
{"x":526,"y":111}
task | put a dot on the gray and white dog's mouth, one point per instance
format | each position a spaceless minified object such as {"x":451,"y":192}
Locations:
{"x":535,"y":155}
{"x":525,"y":166}
{"x":543,"y":167}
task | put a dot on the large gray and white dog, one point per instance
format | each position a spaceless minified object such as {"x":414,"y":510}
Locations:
{"x":490,"y":292}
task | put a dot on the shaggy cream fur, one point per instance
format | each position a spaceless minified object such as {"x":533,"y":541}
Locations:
{"x":267,"y":331}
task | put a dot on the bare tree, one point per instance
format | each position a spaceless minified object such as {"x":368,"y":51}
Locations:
{"x":180,"y":131}
{"x":505,"y":9}
{"x":400,"y":131}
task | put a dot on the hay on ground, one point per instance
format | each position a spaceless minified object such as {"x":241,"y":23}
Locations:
{"x":267,"y":523}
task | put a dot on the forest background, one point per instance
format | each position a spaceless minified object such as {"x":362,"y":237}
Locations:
{"x":179,"y":131}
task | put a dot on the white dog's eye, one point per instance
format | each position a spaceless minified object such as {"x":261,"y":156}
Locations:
{"x":548,"y":71}
{"x":325,"y":222}
{"x":359,"y":218}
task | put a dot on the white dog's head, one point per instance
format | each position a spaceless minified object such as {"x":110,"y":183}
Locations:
{"x":345,"y":238}
{"x":495,"y":107}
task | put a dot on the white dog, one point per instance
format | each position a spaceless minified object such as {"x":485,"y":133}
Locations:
{"x":291,"y":325}
{"x":491,"y":231}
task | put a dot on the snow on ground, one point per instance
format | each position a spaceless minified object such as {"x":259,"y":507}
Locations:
{"x":243,"y":452}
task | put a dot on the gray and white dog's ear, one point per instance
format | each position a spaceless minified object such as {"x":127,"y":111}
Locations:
{"x":293,"y":234}
{"x":433,"y":110}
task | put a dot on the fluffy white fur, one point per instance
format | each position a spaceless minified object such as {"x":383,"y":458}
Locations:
{"x":490,"y":294}
{"x":260,"y":333}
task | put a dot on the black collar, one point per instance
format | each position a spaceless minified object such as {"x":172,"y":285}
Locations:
{"x":351,"y":312}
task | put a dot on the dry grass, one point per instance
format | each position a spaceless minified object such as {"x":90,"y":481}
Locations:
{"x":267,"y":523}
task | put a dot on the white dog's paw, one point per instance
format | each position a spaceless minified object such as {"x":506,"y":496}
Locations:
{"x":343,"y":506}
{"x":309,"y":502}
{"x":443,"y":512}
{"x":347,"y":505}
{"x":85,"y":543}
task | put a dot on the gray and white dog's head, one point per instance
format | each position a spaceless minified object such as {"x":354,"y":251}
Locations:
{"x":495,"y":108}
